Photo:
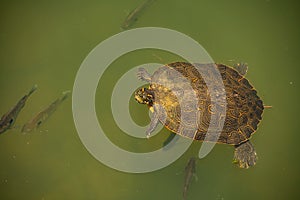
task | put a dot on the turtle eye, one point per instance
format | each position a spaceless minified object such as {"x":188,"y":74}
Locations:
{"x":11,"y":121}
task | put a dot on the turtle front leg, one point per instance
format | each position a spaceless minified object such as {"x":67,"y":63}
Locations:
{"x":245,"y":155}
{"x":143,"y":75}
{"x":153,"y":124}
{"x":159,"y":115}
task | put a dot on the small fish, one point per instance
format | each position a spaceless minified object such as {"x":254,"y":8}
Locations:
{"x":42,"y":116}
{"x":190,"y":171}
{"x":133,"y":15}
{"x":9,"y":118}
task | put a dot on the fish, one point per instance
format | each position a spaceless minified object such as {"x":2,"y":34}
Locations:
{"x":133,"y":15}
{"x":43,"y":115}
{"x":190,"y":171}
{"x":9,"y":118}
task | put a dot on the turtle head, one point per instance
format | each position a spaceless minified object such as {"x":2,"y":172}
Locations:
{"x":144,"y":96}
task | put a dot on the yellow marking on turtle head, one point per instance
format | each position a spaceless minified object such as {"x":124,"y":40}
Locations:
{"x":151,"y":109}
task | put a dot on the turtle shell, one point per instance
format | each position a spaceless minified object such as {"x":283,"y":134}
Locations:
{"x":181,"y":92}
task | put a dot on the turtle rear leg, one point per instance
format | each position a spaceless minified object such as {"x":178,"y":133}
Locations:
{"x":143,"y":75}
{"x":245,"y":155}
{"x":241,"y":67}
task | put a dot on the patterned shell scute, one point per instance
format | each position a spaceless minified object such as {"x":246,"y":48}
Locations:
{"x":182,"y":96}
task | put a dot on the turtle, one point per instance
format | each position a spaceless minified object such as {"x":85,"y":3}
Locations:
{"x":179,"y":97}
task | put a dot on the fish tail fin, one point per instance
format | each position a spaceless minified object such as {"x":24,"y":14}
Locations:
{"x":196,"y":177}
{"x":184,"y":195}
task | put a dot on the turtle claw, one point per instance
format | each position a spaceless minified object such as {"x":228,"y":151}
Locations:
{"x":241,"y":67}
{"x":245,"y":155}
{"x":143,"y":75}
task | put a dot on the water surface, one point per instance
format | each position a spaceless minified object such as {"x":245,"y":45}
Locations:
{"x":44,"y":43}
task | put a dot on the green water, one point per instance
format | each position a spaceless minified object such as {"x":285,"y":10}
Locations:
{"x":45,"y":42}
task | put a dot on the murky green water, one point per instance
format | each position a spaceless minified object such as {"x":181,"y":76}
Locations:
{"x":44,"y":43}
